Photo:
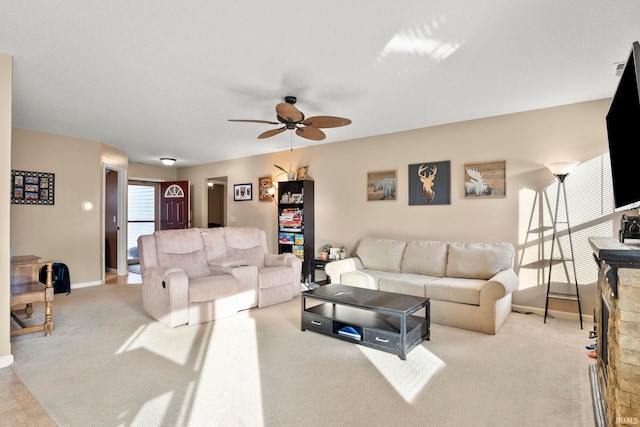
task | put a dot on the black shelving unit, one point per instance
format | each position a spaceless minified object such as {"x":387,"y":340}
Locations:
{"x":295,"y":221}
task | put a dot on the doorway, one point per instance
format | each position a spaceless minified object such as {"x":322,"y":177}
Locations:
{"x":114,"y":220}
{"x":216,"y":202}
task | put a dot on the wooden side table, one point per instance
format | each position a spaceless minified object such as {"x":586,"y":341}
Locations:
{"x":318,"y":264}
{"x":26,"y":289}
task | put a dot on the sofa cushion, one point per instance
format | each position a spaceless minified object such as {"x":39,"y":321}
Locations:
{"x":215,"y":245}
{"x":179,"y":242}
{"x":425,"y":257}
{"x":407,"y":284}
{"x":182,"y":249}
{"x":253,"y":256}
{"x":364,"y":278}
{"x":381,"y":254}
{"x":478,"y":260}
{"x":455,"y":289}
{"x":247,"y":243}
{"x":212,"y":287}
{"x":242,"y":237}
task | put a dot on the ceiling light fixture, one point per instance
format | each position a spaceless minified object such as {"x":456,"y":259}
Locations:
{"x":167,"y":161}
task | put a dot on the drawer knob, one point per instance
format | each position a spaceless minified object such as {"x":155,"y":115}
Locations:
{"x":381,"y":340}
{"x":315,"y":322}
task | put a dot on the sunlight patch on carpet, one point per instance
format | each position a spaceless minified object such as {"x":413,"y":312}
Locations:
{"x":408,"y":377}
{"x":234,"y":346}
{"x":175,"y":344}
{"x":151,"y":409}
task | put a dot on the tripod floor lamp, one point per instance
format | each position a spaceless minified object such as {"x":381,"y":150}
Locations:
{"x":561,"y":170}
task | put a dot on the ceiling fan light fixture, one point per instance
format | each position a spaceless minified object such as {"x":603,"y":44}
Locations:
{"x":167,"y":161}
{"x":293,"y":119}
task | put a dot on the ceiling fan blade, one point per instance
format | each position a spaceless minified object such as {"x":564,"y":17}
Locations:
{"x":254,"y":121}
{"x":326,"y":122}
{"x":311,"y":133}
{"x":271,"y":132}
{"x":289,"y":113}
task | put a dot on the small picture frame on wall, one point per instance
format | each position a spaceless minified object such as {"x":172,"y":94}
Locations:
{"x":265,"y":183}
{"x":485,"y":180}
{"x":381,"y":185}
{"x":32,"y":188}
{"x":242,"y":192}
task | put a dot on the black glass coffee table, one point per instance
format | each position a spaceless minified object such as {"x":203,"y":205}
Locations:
{"x":382,"y":320}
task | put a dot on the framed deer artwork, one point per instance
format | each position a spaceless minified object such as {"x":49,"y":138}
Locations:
{"x":485,"y":180}
{"x":430,"y":183}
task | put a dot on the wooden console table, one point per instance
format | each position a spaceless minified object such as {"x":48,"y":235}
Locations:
{"x":26,"y":289}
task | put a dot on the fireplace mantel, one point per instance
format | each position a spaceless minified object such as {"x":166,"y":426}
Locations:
{"x":618,"y":328}
{"x":615,"y":253}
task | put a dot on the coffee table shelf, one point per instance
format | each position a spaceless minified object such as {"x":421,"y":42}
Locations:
{"x":383,"y":320}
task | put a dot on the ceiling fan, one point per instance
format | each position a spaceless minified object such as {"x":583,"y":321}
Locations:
{"x":292,"y":118}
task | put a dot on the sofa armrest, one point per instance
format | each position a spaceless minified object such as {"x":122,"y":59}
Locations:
{"x":280,"y":260}
{"x":503,"y":283}
{"x":334,"y":269}
{"x":165,"y":295}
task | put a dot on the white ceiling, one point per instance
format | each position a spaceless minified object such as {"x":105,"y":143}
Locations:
{"x":160,"y":78}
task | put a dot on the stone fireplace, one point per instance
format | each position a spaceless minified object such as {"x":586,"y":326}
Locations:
{"x":616,"y":375}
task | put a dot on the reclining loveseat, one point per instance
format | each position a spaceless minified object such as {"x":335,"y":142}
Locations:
{"x":196,"y":275}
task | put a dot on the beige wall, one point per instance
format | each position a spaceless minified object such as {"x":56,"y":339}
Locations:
{"x":343,"y":216}
{"x":152,"y":172}
{"x":6,"y":72}
{"x":63,"y":232}
{"x":525,"y":140}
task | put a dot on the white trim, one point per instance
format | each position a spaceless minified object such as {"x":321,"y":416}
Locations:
{"x":6,"y":360}
{"x":87,"y":284}
{"x":553,"y":313}
{"x":133,"y":178}
{"x":122,"y":219}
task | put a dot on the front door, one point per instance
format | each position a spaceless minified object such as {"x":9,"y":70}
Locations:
{"x":174,"y":205}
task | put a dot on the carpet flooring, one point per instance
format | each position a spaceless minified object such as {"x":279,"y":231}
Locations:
{"x":109,"y":364}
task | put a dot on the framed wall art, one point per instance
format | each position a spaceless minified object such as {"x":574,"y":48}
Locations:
{"x":430,"y":183}
{"x":381,"y":185}
{"x":485,"y":180}
{"x":242,"y":192}
{"x":32,"y":188}
{"x":302,"y":172}
{"x":264,"y":184}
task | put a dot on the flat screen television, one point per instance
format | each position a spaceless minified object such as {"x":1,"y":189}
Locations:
{"x":623,"y":130}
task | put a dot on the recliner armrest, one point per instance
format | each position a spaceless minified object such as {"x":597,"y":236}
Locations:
{"x":165,"y":294}
{"x":273,"y":260}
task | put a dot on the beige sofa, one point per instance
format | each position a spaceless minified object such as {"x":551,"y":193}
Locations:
{"x":195,"y":275}
{"x":469,"y":284}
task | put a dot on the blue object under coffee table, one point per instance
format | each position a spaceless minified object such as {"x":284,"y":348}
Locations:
{"x":382,"y":320}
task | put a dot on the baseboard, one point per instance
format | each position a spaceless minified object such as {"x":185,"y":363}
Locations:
{"x":586,"y":318}
{"x":86,"y":284}
{"x":6,"y":360}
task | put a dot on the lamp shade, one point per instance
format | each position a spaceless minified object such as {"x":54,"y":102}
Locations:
{"x":167,"y":161}
{"x":561,"y":168}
